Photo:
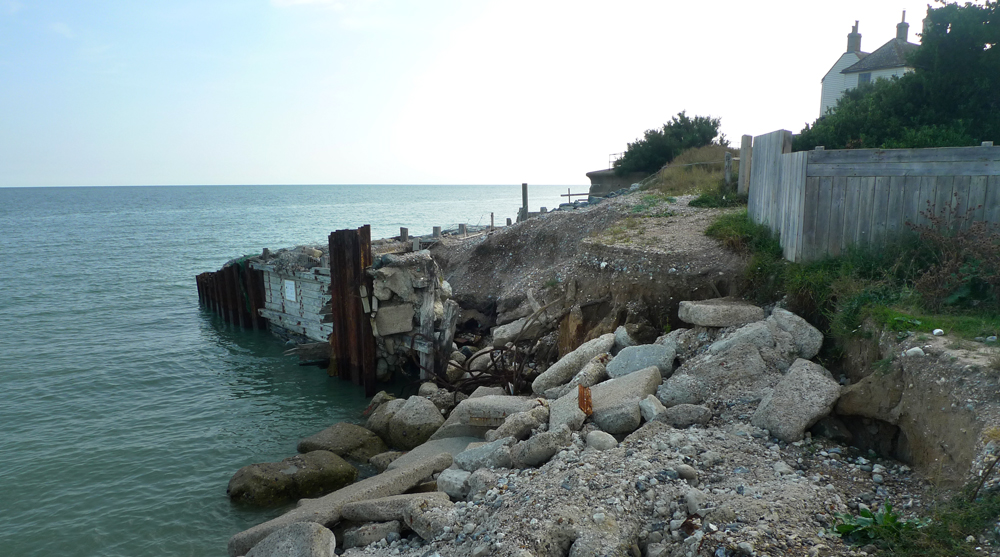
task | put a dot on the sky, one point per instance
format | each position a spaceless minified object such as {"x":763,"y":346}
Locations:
{"x":205,"y":92}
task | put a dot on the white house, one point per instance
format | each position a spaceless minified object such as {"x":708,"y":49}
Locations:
{"x":856,"y":67}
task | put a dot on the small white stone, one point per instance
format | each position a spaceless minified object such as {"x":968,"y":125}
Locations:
{"x":915,"y":351}
{"x":937,"y":332}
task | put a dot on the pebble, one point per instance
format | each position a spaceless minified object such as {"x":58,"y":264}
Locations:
{"x":877,"y":478}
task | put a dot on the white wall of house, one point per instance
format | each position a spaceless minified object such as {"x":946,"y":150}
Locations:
{"x":835,"y":83}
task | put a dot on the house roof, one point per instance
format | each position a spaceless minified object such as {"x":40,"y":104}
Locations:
{"x":857,"y":53}
{"x":890,"y":55}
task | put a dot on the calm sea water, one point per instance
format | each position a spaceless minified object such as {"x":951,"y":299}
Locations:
{"x":124,"y":407}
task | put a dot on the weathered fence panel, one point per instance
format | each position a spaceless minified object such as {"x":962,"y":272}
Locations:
{"x":823,"y":202}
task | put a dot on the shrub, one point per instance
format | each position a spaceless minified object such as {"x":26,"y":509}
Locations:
{"x":659,"y":146}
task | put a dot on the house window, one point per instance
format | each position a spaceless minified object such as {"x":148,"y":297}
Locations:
{"x":864,"y":78}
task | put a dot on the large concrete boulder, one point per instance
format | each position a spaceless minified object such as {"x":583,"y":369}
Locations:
{"x":593,"y":372}
{"x":803,"y":396}
{"x":326,"y":510}
{"x":378,"y":421}
{"x":346,"y":440}
{"x":448,"y":445}
{"x":454,"y":482}
{"x":496,"y":454}
{"x":616,"y":401}
{"x":520,"y":425}
{"x":366,"y":534}
{"x":276,"y":483}
{"x":429,"y":518}
{"x":686,"y":415}
{"x":383,"y":509}
{"x":719,"y":312}
{"x":540,"y":448}
{"x":571,"y":364}
{"x":473,"y":417}
{"x":566,"y":411}
{"x":634,"y":358}
{"x":808,"y":339}
{"x":738,"y":374}
{"x":524,"y":328}
{"x":304,"y":539}
{"x":415,"y":421}
{"x":758,"y":334}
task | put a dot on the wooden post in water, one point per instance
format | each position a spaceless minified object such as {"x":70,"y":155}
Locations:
{"x":746,"y":155}
{"x":524,"y":201}
{"x":508,"y":221}
{"x":404,"y":234}
{"x":352,"y":344}
{"x":491,"y":222}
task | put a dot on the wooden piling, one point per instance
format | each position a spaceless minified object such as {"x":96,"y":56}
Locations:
{"x":404,"y":234}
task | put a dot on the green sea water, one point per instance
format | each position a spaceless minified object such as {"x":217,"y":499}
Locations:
{"x":124,"y":407}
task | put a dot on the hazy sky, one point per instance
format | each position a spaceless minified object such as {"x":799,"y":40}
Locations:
{"x":113,"y":92}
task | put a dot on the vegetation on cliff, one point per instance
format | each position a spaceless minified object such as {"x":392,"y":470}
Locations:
{"x":950,"y":99}
{"x":658,"y":147}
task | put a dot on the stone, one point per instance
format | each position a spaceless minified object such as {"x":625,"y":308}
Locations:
{"x":427,"y":388}
{"x":803,"y":396}
{"x":524,"y":328}
{"x":445,"y":400}
{"x":496,"y":454}
{"x":346,"y":440}
{"x":876,"y":396}
{"x":390,"y":508}
{"x":686,"y":415}
{"x":415,"y":421}
{"x":275,"y":483}
{"x":622,"y":340}
{"x":808,"y":339}
{"x":758,"y":334}
{"x":520,"y":424}
{"x":686,"y":472}
{"x":382,"y":461}
{"x":695,"y":501}
{"x":481,"y":481}
{"x":472,"y":417}
{"x":601,"y":441}
{"x":540,"y":448}
{"x":681,"y":389}
{"x":304,"y":539}
{"x":651,"y":407}
{"x":369,"y":533}
{"x":378,"y":421}
{"x":488,"y":391}
{"x":566,"y":411}
{"x":719,"y":312}
{"x":326,"y":510}
{"x":616,"y":401}
{"x":428,"y":519}
{"x":448,"y":445}
{"x":634,"y":358}
{"x":454,"y":482}
{"x":571,"y":364}
{"x":393,"y":320}
{"x":915,"y":351}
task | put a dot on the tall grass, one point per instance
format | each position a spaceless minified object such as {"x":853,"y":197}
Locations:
{"x":695,"y":171}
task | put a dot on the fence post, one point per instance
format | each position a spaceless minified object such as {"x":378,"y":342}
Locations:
{"x":746,"y":156}
{"x":404,"y":234}
{"x":524,"y":201}
{"x":436,"y":232}
{"x":729,"y":170}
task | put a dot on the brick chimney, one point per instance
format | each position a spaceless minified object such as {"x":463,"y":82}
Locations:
{"x":902,"y":29}
{"x":854,"y":39}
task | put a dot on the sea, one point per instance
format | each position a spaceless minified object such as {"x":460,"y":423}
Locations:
{"x":125,"y":407}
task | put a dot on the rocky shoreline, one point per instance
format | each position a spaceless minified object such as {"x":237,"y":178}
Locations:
{"x":720,"y":438}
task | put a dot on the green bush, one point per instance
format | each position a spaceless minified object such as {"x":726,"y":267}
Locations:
{"x":659,"y":146}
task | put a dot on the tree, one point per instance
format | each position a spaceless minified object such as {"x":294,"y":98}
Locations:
{"x":659,"y":147}
{"x":950,"y":99}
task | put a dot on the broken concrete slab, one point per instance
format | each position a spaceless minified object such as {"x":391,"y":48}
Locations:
{"x":686,"y":415}
{"x":758,"y":334}
{"x":524,"y":328}
{"x":384,"y":509}
{"x":414,"y":422}
{"x":520,"y":425}
{"x":496,"y":454}
{"x":370,"y":533}
{"x":571,"y":364}
{"x":326,"y":510}
{"x":473,"y":417}
{"x":719,"y":312}
{"x":392,"y":320}
{"x":634,"y":358}
{"x":448,"y":445}
{"x":808,"y":339}
{"x":275,"y":483}
{"x":803,"y":396}
{"x":616,"y":402}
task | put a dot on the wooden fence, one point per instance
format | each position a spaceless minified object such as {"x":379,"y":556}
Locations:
{"x":822,"y":202}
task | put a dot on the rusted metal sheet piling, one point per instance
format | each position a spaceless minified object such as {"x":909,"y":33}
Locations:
{"x":352,"y":344}
{"x":235,"y":293}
